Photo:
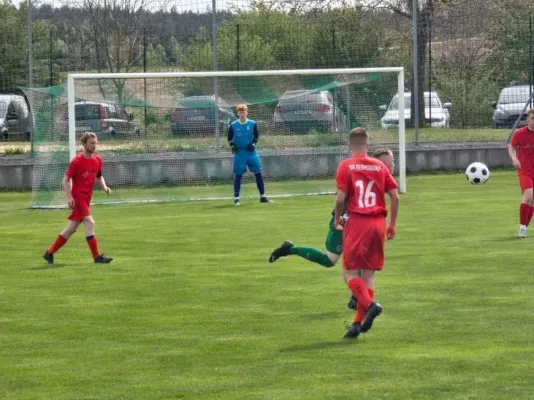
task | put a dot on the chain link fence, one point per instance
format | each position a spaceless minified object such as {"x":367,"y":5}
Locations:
{"x":469,"y":51}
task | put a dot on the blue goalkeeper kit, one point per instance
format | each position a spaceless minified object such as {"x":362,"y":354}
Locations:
{"x":244,"y":137}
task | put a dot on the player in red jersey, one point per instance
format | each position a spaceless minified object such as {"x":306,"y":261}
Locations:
{"x":521,"y":150}
{"x":362,"y":183}
{"x":83,"y":171}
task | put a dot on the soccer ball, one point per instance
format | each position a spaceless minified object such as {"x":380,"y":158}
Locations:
{"x":477,"y":173}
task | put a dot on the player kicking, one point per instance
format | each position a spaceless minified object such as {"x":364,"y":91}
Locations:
{"x":521,"y":150}
{"x":334,"y":238}
{"x":83,"y":171}
{"x":362,"y":182}
{"x":242,"y":137}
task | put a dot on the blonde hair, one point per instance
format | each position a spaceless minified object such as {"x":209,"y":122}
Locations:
{"x":382,"y":152}
{"x":86,"y":136}
{"x":358,"y":137}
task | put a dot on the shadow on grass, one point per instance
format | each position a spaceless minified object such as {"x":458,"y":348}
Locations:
{"x":320,"y":345}
{"x":507,"y":238}
{"x":46,"y":267}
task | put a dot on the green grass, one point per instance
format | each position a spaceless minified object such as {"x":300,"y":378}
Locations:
{"x":159,"y":140}
{"x":191,"y":309}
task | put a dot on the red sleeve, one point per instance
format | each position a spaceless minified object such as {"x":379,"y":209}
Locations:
{"x":390,"y":181}
{"x":71,"y":170}
{"x":343,"y":178}
{"x":515,"y":139}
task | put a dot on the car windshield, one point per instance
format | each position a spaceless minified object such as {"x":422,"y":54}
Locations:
{"x":3,"y":107}
{"x":433,"y":101}
{"x":512,"y":96}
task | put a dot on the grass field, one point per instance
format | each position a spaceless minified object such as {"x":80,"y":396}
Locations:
{"x":160,"y":140}
{"x":191,"y":309}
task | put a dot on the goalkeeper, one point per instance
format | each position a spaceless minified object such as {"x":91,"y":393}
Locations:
{"x":242,"y":136}
{"x":334,"y":238}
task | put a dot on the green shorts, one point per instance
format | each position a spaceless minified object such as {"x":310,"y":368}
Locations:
{"x":334,"y":241}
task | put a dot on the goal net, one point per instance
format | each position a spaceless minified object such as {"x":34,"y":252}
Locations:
{"x":163,"y":136}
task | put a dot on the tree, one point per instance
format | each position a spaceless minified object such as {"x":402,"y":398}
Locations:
{"x":13,"y":47}
{"x":115,"y":31}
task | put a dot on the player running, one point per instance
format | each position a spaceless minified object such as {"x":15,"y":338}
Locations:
{"x":362,"y":182}
{"x":83,"y":171}
{"x":521,"y":150}
{"x":334,"y":238}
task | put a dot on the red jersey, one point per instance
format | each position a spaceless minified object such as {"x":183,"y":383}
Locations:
{"x":365,"y":181}
{"x":83,"y":172}
{"x":523,"y":141}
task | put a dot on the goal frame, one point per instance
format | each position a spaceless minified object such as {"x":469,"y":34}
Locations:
{"x":72,"y":77}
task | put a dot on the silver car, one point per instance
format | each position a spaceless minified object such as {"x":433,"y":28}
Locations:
{"x":436,"y":112}
{"x":107,"y":120}
{"x":300,"y":111}
{"x":510,"y":105}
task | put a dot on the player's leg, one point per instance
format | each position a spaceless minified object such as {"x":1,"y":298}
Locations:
{"x":531,"y":205}
{"x":363,"y":244}
{"x":313,"y":254}
{"x":239,"y":169}
{"x":61,"y":239}
{"x":254,"y":165}
{"x":525,"y":208}
{"x":374,"y":309}
{"x":89,"y":225}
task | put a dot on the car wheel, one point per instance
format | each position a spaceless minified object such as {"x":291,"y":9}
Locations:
{"x":112,"y":134}
{"x":28,"y":136}
{"x":5,"y":135}
{"x":137,"y":134}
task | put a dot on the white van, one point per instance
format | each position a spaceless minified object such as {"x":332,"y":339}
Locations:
{"x":436,"y":112}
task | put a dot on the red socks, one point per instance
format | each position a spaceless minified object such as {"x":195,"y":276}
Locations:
{"x":524,"y":211}
{"x":359,"y":289}
{"x":360,"y":310}
{"x":530,"y":213}
{"x":58,"y":243}
{"x":93,"y":246}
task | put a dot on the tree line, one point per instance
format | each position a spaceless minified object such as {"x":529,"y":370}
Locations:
{"x":467,"y":50}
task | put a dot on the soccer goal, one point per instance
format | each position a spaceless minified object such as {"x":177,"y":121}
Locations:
{"x":163,"y":136}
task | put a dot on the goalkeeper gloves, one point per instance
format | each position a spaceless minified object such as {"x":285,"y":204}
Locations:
{"x":251,"y":147}
{"x":233,"y":147}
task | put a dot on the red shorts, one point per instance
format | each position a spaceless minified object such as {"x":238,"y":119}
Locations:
{"x":363,"y":242}
{"x":81,"y":209}
{"x":525,"y":181}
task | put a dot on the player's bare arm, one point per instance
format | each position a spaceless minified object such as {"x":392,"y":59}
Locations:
{"x":340,"y":204}
{"x":513,"y":155}
{"x":65,"y":182}
{"x":393,"y":211}
{"x":102,"y":182}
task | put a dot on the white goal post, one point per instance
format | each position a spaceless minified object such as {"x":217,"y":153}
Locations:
{"x":73,"y":77}
{"x":163,"y":135}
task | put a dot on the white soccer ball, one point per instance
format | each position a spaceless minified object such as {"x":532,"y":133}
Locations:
{"x":477,"y":173}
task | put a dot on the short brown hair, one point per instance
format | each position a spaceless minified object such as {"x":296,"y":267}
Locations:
{"x":382,"y":152}
{"x":358,"y":137}
{"x":530,"y":112}
{"x":86,"y":136}
{"x":241,"y":107}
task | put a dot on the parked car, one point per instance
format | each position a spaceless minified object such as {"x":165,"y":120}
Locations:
{"x":15,"y":117}
{"x":436,"y":112}
{"x":107,"y":120}
{"x":510,"y":105}
{"x":299,"y":111}
{"x":199,"y":114}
